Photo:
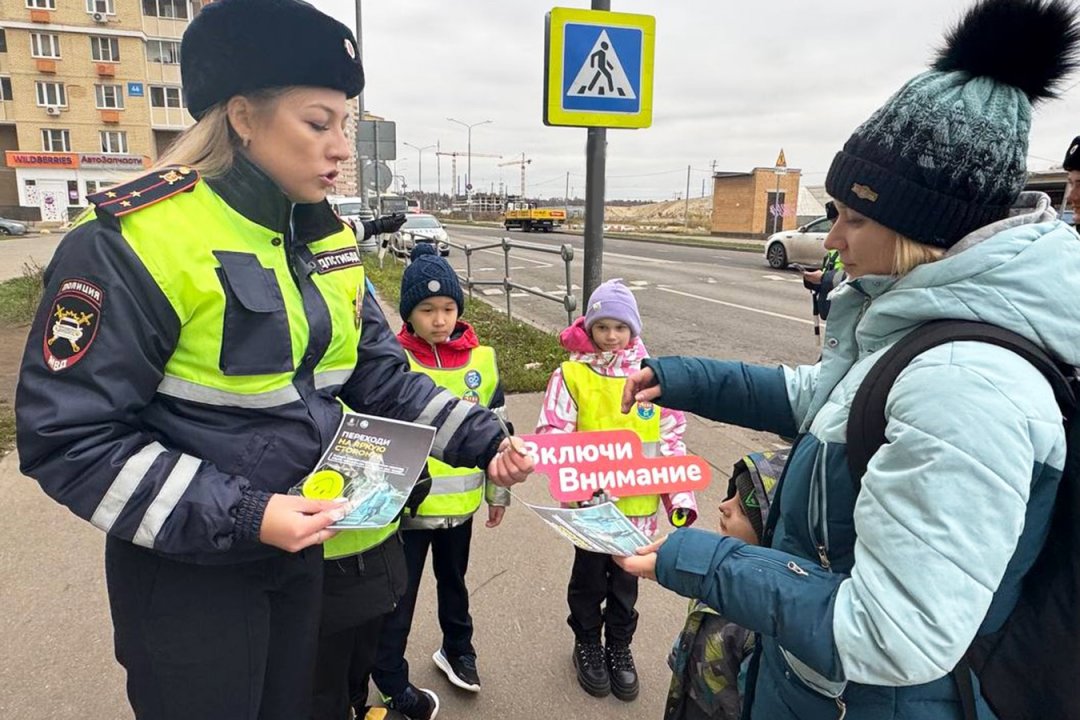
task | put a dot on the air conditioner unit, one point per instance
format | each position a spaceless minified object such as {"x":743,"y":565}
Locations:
{"x":99,"y":17}
{"x":52,"y":110}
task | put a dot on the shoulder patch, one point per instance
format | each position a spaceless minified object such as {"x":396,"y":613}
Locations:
{"x":145,"y":191}
{"x":74,"y":318}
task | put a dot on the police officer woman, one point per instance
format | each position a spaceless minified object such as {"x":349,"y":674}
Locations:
{"x":185,"y":370}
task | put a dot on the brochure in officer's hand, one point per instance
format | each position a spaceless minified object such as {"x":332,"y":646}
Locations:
{"x":373,"y":463}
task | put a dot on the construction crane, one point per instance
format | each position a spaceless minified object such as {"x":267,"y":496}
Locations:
{"x":522,"y":162}
{"x":453,"y":161}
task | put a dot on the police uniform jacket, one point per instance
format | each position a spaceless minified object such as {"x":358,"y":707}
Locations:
{"x":181,"y":367}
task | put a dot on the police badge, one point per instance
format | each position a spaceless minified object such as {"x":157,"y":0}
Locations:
{"x":73,"y":323}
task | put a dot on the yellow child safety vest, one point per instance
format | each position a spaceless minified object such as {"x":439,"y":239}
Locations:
{"x":599,"y":399}
{"x":457,"y":492}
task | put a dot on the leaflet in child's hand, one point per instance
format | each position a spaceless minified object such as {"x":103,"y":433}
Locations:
{"x":373,"y":463}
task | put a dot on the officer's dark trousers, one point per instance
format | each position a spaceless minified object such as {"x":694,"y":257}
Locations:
{"x":215,"y":642}
{"x":450,"y":560}
{"x":594,"y":581}
{"x":359,"y":592}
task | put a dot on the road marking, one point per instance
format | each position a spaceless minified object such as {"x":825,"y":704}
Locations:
{"x":740,"y":307}
{"x":781,"y":278}
{"x":538,"y":263}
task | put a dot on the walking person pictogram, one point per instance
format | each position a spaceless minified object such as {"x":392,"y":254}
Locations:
{"x":603,"y":67}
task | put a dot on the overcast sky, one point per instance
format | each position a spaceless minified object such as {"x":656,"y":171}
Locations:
{"x":735,"y":81}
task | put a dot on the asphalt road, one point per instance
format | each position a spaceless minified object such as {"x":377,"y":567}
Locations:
{"x":693,"y":300}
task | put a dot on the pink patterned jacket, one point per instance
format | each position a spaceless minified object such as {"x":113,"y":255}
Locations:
{"x":559,"y":412}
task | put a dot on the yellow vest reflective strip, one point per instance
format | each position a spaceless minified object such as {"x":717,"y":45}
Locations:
{"x":354,"y":542}
{"x":598,"y":399}
{"x":199,"y":224}
{"x":458,"y":491}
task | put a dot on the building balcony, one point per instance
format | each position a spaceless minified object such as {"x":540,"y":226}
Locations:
{"x":170,"y":118}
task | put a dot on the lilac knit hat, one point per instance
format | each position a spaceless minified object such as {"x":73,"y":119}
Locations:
{"x":612,"y":300}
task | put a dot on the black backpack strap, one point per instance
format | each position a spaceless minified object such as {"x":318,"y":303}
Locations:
{"x":866,"y":420}
{"x":965,"y":689}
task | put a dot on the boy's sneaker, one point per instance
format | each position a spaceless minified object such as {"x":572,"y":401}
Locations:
{"x":459,"y":669}
{"x":624,"y":677}
{"x":415,"y":703}
{"x":592,"y":672}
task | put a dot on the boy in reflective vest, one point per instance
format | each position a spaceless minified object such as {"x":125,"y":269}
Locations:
{"x":585,"y":394}
{"x":446,"y":349}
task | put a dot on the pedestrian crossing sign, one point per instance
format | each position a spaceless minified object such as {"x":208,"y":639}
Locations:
{"x":598,"y":68}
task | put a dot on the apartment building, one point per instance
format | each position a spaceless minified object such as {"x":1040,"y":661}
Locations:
{"x":89,"y":94}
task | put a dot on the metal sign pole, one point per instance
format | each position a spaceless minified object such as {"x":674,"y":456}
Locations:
{"x":362,"y":188}
{"x":595,"y":169}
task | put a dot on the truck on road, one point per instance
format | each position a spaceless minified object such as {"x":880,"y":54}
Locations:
{"x":523,"y":215}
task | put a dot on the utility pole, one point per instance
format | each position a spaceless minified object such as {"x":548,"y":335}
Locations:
{"x":362,"y":186}
{"x":420,"y":168}
{"x":468,"y":171}
{"x":686,"y":208}
{"x":595,"y":169}
{"x":566,"y":197}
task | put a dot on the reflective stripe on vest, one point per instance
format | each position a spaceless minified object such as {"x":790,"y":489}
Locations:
{"x":456,"y":492}
{"x":598,"y":399}
{"x":354,"y":542}
{"x":218,"y":303}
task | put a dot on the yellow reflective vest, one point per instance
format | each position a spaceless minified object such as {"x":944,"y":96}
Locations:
{"x":599,"y":399}
{"x":458,"y":492}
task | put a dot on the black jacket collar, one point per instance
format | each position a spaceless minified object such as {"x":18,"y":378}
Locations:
{"x":251,"y":192}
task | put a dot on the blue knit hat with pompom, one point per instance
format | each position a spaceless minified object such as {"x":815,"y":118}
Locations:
{"x":428,"y":275}
{"x":947,"y":153}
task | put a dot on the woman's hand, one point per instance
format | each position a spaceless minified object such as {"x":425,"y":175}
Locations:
{"x":495,"y":515}
{"x":292,"y":523}
{"x":640,"y":387}
{"x":643,"y":564}
{"x":511,"y":464}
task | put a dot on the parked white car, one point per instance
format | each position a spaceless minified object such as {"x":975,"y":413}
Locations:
{"x":419,"y":227}
{"x":805,"y":246}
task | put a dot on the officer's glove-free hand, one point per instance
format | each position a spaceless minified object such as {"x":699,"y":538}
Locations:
{"x":292,"y":523}
{"x":511,"y":465}
{"x":389,"y":223}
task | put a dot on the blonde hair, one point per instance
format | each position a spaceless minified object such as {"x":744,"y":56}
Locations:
{"x":909,"y":255}
{"x":211,"y":144}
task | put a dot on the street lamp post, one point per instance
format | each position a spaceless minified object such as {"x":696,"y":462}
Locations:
{"x":420,"y":168}
{"x":468,"y":171}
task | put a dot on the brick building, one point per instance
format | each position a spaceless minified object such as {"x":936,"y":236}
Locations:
{"x":89,"y":93}
{"x":747,"y":203}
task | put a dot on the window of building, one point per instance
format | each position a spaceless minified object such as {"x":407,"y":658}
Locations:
{"x":105,"y":49}
{"x":163,"y":51}
{"x":51,"y":93}
{"x":3,"y":41}
{"x":114,"y":141}
{"x":166,"y":8}
{"x":5,"y":88}
{"x":162,"y":96}
{"x":94,"y":186}
{"x":44,"y":45}
{"x":55,"y":140}
{"x":109,"y":97}
{"x":105,"y":7}
{"x":41,"y":4}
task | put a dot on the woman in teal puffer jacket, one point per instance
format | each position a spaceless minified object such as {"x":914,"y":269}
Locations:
{"x":865,"y":606}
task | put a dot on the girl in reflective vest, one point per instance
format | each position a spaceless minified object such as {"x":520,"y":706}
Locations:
{"x":584,"y":394}
{"x":446,"y":349}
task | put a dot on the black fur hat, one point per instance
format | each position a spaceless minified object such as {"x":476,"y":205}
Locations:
{"x":236,"y":46}
{"x":1072,"y":156}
